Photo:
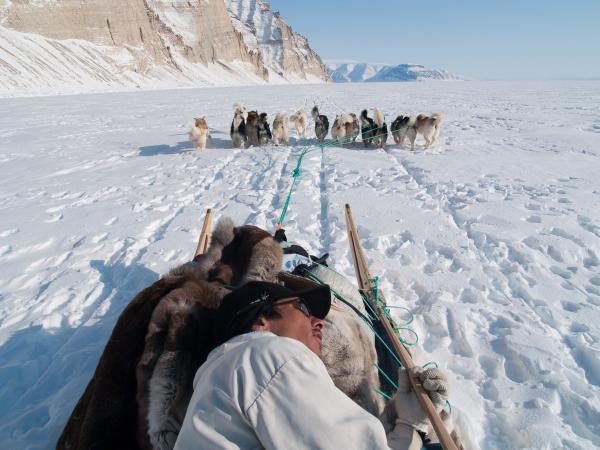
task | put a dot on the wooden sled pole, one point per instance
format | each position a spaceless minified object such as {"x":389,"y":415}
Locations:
{"x":204,"y":234}
{"x":366,"y":285}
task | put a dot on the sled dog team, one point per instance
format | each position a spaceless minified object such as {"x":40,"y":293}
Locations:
{"x":251,"y":128}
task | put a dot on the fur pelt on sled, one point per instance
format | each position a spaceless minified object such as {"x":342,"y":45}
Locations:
{"x":140,"y":390}
{"x":138,"y":396}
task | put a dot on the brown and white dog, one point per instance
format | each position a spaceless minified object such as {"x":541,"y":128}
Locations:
{"x":280,"y":129}
{"x":338,"y":129}
{"x":252,"y":128}
{"x":352,"y":128}
{"x":199,"y":133}
{"x":428,"y":126}
{"x":300,"y":122}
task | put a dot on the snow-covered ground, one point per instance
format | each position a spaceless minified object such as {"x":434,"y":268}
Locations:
{"x":492,"y":238}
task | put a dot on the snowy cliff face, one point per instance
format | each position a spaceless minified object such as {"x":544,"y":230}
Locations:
{"x":352,"y":72}
{"x":285,"y":52}
{"x":62,"y":46}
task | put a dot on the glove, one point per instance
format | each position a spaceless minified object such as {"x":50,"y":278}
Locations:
{"x":406,"y":404}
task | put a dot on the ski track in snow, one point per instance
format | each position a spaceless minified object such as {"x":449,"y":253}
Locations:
{"x":491,"y":238}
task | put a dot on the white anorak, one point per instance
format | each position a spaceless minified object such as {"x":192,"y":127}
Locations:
{"x":262,"y":391}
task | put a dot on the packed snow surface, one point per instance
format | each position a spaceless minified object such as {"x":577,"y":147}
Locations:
{"x":491,"y":238}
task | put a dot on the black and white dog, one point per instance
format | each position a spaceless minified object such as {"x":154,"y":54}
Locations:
{"x":400,"y":128}
{"x":238,"y":127}
{"x":264,"y":130}
{"x":321,"y":124}
{"x":367,"y":127}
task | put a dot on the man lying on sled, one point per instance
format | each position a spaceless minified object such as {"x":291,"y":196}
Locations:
{"x":266,"y":386}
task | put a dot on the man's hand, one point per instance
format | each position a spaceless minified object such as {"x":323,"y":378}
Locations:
{"x":407,"y":406}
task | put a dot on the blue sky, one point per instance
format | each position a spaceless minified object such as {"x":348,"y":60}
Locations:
{"x":486,"y":39}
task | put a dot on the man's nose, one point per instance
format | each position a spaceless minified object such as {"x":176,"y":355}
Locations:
{"x":316,"y":323}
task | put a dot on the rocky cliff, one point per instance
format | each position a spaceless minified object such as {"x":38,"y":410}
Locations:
{"x":283,"y":50}
{"x":51,"y":46}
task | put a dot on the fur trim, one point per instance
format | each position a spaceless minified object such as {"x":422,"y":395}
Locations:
{"x":105,"y":415}
{"x":221,"y":237}
{"x":166,"y":385}
{"x":265,"y":262}
{"x":179,"y":338}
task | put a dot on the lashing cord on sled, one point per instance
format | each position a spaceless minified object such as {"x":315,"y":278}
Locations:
{"x":368,"y":320}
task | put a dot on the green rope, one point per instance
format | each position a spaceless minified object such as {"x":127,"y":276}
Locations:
{"x":383,"y":394}
{"x":306,"y":150}
{"x":411,"y":331}
{"x":412,"y":316}
{"x":295,"y":174}
{"x":370,"y":325}
{"x":375,"y":290}
{"x":385,"y":375}
{"x":430,"y":363}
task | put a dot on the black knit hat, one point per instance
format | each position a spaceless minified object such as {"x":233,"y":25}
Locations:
{"x":241,"y":308}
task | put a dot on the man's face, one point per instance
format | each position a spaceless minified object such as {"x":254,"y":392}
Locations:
{"x":294,"y":323}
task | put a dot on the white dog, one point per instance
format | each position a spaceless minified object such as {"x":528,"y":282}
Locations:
{"x":199,"y":133}
{"x":300,"y":121}
{"x":239,"y":108}
{"x":280,"y":129}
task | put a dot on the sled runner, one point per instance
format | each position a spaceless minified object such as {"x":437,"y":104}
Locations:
{"x":204,"y":234}
{"x":377,"y":302}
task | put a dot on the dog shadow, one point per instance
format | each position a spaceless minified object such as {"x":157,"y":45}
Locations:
{"x":214,"y":142}
{"x":217,"y":142}
{"x":164,"y":149}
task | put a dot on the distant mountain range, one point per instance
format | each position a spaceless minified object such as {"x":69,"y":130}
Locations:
{"x":355,"y":72}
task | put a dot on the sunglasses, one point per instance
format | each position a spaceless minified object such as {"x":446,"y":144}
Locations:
{"x":298,"y":303}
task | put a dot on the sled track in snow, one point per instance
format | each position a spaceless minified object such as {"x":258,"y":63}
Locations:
{"x":325,"y":236}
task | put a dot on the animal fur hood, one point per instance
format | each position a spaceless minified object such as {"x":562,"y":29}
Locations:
{"x":140,"y":390}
